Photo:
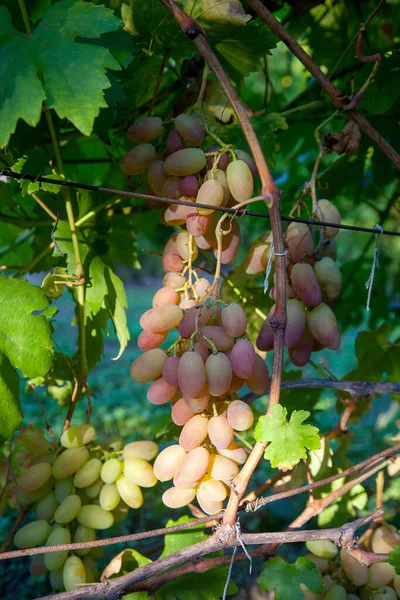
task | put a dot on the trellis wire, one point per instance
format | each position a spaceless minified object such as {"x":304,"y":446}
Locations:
{"x":224,"y":209}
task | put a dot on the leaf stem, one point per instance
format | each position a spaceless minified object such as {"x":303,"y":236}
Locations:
{"x":25,"y":16}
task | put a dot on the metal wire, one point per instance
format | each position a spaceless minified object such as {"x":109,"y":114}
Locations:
{"x":223,"y":209}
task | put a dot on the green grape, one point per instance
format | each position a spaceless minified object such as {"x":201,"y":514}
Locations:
{"x":95,"y":517}
{"x":55,"y":560}
{"x":35,"y":442}
{"x":130,"y":492}
{"x":185,"y":162}
{"x":308,"y":595}
{"x":63,"y":488}
{"x":25,"y":498}
{"x":322,"y":548}
{"x":240,"y":180}
{"x":33,"y":534}
{"x":109,"y":496}
{"x":191,"y":131}
{"x":336,"y":592}
{"x":121,"y":512}
{"x":380,"y":574}
{"x":68,"y":509}
{"x":396,"y":584}
{"x":56,"y":580}
{"x":78,"y":435}
{"x":46,"y":507}
{"x":88,"y":473}
{"x":34,"y":477}
{"x":329,"y":214}
{"x":115,"y":443}
{"x":91,"y":570}
{"x":70,"y":461}
{"x":322,"y":564}
{"x":73,"y":573}
{"x":385,"y":593}
{"x":84,"y":534}
{"x":145,"y":130}
{"x":111,"y":470}
{"x":140,"y":472}
{"x":353,"y":569}
{"x":94,"y":490}
{"x":97,"y":553}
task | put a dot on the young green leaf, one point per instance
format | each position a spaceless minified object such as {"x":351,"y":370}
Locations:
{"x":394,"y":559}
{"x":288,"y":440}
{"x":51,"y":65}
{"x":285,"y":578}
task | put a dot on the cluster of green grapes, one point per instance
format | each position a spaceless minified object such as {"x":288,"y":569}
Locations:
{"x":313,"y":283}
{"x":212,"y":357}
{"x":74,"y":491}
{"x":345,"y":578}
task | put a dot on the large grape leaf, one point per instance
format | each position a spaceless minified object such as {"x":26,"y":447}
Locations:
{"x":288,"y":440}
{"x":173,"y":542}
{"x":285,"y":578}
{"x":51,"y":65}
{"x":10,"y":408}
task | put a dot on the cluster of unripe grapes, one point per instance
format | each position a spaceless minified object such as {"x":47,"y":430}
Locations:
{"x":217,"y":176}
{"x":212,"y":358}
{"x":81,"y":487}
{"x":313,"y":283}
{"x":345,"y":578}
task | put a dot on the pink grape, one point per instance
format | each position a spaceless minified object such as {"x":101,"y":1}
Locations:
{"x":213,"y":489}
{"x":329,"y":277}
{"x":188,"y":323}
{"x":328,"y":249}
{"x":183,"y":483}
{"x":265,"y":339}
{"x":190,"y":186}
{"x":219,"y":373}
{"x":195,"y":464}
{"x":330,"y":214}
{"x":234,"y":320}
{"x":162,"y":318}
{"x":148,"y":366}
{"x":257,"y":257}
{"x":177,"y":214}
{"x":299,"y":240}
{"x":194,"y":432}
{"x":147,"y":340}
{"x":220,"y":432}
{"x":220,"y":176}
{"x":305,"y":284}
{"x":184,"y":304}
{"x":160,"y":392}
{"x":296,"y":322}
{"x":222,"y":468}
{"x":202,"y":286}
{"x":198,"y":404}
{"x":210,"y":507}
{"x":236,"y":453}
{"x":177,"y":498}
{"x":185,"y":162}
{"x":243,"y":359}
{"x":138,"y":159}
{"x":301,"y":352}
{"x":259,"y":380}
{"x":165,"y":295}
{"x":240,"y":180}
{"x":323,"y":325}
{"x":174,"y":280}
{"x":156,"y":176}
{"x":171,"y":261}
{"x":197,"y":224}
{"x":202,"y":243}
{"x":191,"y":375}
{"x":240,"y":416}
{"x":190,"y":130}
{"x":217,"y":335}
{"x":174,"y":142}
{"x":211,"y":192}
{"x":172,"y":188}
{"x":169,"y":462}
{"x":180,"y":413}
{"x":223,"y":160}
{"x":170,"y":370}
{"x":145,"y":130}
{"x":236,"y":384}
{"x":230,"y":244}
{"x":204,"y":352}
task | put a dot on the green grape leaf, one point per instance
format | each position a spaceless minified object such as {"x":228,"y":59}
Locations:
{"x":53,"y":66}
{"x":217,"y":11}
{"x":285,"y":578}
{"x":25,"y":337}
{"x":198,"y":586}
{"x":394,"y":559}
{"x":288,"y":440}
{"x":10,"y":408}
{"x":345,"y":508}
{"x":116,"y":303}
{"x":173,"y":542}
{"x":123,"y":563}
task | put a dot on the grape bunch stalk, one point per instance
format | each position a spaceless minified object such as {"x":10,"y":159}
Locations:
{"x":212,"y":357}
{"x":313,"y":283}
{"x":75,"y":489}
{"x":346,"y":578}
